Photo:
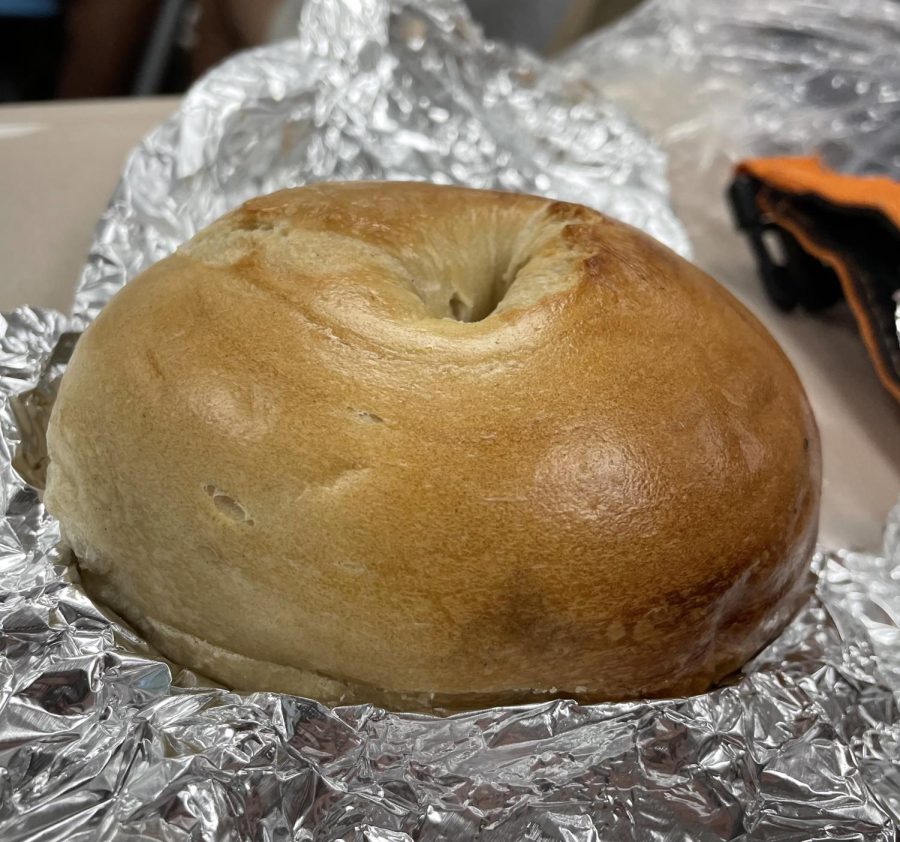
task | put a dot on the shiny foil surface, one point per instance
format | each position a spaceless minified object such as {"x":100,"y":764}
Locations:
{"x":101,"y":740}
{"x":408,"y":90}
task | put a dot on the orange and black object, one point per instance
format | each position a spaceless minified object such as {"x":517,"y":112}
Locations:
{"x":819,"y":235}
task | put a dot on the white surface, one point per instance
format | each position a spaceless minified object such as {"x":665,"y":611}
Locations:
{"x":59,"y":164}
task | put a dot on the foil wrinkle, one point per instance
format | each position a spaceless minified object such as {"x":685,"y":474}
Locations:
{"x":101,"y":739}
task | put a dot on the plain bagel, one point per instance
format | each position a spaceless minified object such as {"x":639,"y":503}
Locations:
{"x":434,"y":447}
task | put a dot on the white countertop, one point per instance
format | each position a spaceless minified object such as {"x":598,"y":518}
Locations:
{"x":60,"y":162}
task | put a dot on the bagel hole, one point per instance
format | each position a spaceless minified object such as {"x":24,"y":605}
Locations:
{"x":470,"y":288}
{"x":458,"y":309}
{"x":461,"y":310}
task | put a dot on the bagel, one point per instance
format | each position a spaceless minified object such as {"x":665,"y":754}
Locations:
{"x":435,"y":448}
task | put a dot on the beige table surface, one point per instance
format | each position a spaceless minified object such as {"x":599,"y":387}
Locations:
{"x":60,"y":162}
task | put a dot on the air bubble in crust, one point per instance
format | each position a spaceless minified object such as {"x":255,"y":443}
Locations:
{"x":227,"y":505}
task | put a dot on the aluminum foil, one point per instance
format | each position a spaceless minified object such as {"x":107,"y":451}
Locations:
{"x":102,"y":740}
{"x":374,"y":89}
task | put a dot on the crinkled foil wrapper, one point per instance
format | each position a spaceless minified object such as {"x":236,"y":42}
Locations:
{"x":100,"y":740}
{"x":374,"y":89}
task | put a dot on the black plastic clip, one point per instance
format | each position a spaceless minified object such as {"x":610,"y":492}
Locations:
{"x":790,"y":275}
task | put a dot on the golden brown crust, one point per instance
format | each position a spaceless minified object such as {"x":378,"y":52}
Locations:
{"x":279,"y":442}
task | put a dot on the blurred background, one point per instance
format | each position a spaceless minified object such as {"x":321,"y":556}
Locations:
{"x":64,"y":49}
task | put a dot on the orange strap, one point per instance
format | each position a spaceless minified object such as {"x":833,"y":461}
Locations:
{"x":784,"y":185}
{"x":808,"y":175}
